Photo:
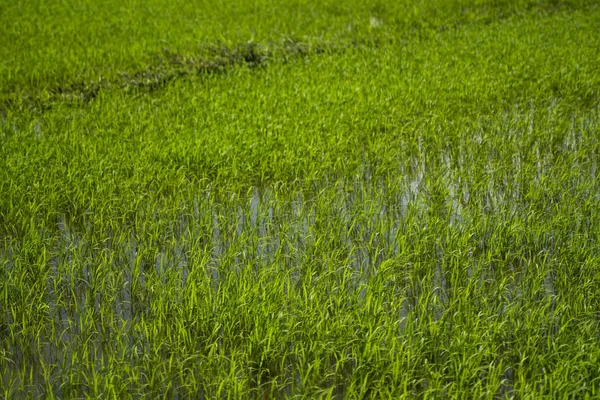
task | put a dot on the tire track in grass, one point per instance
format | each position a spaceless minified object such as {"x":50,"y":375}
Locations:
{"x":168,"y":67}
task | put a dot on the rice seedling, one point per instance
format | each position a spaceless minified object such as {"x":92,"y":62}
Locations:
{"x":293,"y":200}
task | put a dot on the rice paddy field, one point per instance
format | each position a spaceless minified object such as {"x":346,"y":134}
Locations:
{"x":300,"y":199}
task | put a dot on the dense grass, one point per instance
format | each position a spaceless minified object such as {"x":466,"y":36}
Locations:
{"x":321,"y":200}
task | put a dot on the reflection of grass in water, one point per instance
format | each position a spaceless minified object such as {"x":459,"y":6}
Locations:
{"x":383,"y":221}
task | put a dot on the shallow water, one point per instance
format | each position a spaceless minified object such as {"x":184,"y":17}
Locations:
{"x":363,"y":223}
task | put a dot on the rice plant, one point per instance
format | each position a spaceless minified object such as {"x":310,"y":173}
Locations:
{"x":300,"y":200}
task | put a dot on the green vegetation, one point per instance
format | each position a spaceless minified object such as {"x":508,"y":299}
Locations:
{"x":359,"y":199}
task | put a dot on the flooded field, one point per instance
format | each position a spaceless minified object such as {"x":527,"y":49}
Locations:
{"x":393,"y":208}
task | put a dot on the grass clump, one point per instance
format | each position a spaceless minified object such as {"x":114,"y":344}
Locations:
{"x":402,"y":203}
